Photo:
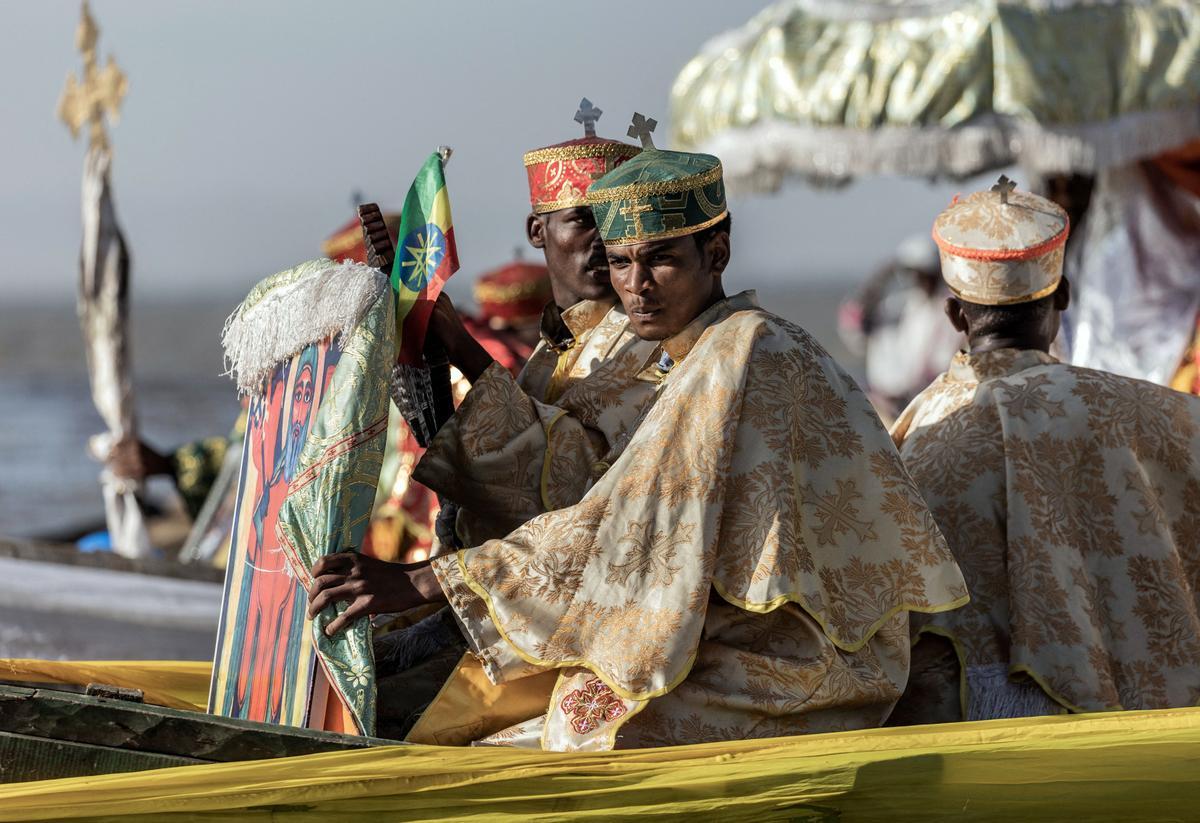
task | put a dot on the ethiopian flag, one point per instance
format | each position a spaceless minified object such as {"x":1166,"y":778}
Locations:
{"x":425,"y":257}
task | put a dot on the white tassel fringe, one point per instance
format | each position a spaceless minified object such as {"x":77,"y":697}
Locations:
{"x":292,"y":309}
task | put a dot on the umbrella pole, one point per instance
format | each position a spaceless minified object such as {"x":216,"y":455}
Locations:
{"x":104,"y":281}
{"x":103,"y":318}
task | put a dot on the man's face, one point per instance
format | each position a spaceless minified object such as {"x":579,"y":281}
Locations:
{"x":665,"y":284}
{"x":574,"y":254}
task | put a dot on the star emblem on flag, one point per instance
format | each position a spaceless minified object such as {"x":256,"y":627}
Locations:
{"x":423,"y":250}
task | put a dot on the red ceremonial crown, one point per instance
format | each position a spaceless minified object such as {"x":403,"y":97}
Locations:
{"x":347,"y":243}
{"x":513,"y":293}
{"x":559,"y":175}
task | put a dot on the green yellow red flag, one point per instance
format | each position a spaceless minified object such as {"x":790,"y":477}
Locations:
{"x":425,"y":256}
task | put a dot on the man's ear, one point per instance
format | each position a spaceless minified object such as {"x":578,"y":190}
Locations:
{"x":535,"y":230}
{"x":957,"y":319}
{"x":1062,"y":297}
{"x":718,"y":248}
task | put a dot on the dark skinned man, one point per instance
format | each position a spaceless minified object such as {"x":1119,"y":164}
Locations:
{"x":743,"y":560}
{"x":506,"y":454}
{"x":1070,"y":497}
{"x":503,"y":469}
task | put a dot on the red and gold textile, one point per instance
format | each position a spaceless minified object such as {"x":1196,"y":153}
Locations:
{"x":559,"y":175}
{"x":347,"y":243}
{"x":513,"y":295}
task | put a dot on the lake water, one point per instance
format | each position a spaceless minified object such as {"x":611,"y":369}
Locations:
{"x":48,"y":483}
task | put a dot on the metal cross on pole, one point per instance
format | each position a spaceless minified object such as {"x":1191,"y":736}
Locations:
{"x":588,"y":115}
{"x":641,"y":129}
{"x":87,"y":100}
{"x":1004,"y":187}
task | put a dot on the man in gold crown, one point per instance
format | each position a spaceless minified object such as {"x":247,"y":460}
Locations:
{"x":1070,"y":497}
{"x":739,"y":561}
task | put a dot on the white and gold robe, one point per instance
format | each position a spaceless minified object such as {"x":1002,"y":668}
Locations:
{"x":512,"y":448}
{"x":1071,"y":499}
{"x":741,"y":563}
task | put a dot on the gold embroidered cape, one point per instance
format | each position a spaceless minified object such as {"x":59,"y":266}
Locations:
{"x":761,"y":474}
{"x":514,"y":448}
{"x":1071,"y":498}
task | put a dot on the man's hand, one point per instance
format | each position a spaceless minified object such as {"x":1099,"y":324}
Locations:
{"x":135,"y":460}
{"x":370,"y":586}
{"x":463,"y":350}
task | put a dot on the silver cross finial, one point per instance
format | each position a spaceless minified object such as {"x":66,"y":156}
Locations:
{"x":588,"y":115}
{"x":1004,"y":187}
{"x":641,"y":128}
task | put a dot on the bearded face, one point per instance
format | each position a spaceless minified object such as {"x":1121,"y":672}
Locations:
{"x":302,"y":401}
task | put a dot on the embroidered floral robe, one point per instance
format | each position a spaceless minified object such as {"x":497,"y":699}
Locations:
{"x":743,"y":568}
{"x":1071,"y":498}
{"x":517,"y":448}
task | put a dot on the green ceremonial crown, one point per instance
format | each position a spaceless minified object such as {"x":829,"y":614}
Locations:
{"x":657,"y":194}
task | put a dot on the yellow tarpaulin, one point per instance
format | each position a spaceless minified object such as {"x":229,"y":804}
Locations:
{"x":179,"y":684}
{"x":1127,"y":766}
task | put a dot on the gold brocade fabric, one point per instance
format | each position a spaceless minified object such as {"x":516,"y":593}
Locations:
{"x":509,"y":454}
{"x":1071,"y":498}
{"x":760,"y":474}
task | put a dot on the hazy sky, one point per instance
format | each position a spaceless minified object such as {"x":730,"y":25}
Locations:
{"x":248,"y":124}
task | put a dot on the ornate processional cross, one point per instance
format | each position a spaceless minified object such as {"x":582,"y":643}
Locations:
{"x":85,"y":102}
{"x":1004,"y":187}
{"x":636,"y":210}
{"x":641,"y":129}
{"x":588,"y":115}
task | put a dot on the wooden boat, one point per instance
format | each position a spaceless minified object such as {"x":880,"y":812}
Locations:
{"x":51,"y":733}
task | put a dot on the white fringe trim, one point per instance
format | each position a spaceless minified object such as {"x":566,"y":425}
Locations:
{"x":761,"y":157}
{"x":292,"y":309}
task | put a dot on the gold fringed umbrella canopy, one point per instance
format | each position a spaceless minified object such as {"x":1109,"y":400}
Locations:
{"x":832,"y":89}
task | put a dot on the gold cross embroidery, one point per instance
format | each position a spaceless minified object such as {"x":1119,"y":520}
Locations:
{"x":100,"y":91}
{"x":635,"y":210}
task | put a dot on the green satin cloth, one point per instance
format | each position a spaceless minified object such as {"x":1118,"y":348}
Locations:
{"x":330,"y":511}
{"x":834,"y":89}
{"x":658,"y":195}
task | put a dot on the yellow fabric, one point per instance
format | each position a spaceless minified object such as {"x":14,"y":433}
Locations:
{"x":470,"y":706}
{"x":1105,"y":767}
{"x":176,"y":684}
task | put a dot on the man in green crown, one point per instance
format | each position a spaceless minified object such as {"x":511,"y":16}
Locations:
{"x":742,"y":561}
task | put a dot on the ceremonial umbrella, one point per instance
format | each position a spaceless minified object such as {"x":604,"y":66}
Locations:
{"x":832,"y":89}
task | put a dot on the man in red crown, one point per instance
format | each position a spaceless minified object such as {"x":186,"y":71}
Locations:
{"x":505,"y":467}
{"x":513,"y":447}
{"x":510,"y":301}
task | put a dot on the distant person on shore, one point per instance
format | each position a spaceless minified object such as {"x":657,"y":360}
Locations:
{"x":1070,"y":496}
{"x":741,"y":560}
{"x":896,"y":322}
{"x":193,"y":467}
